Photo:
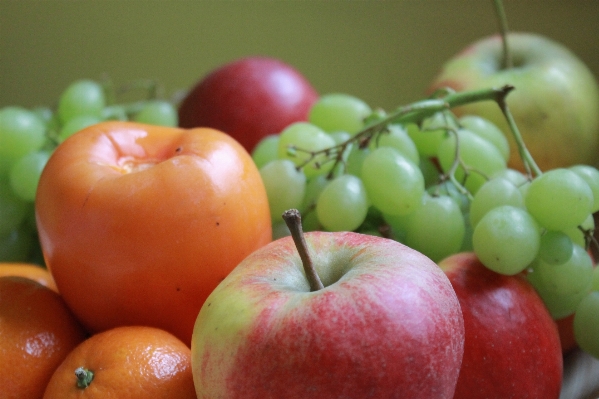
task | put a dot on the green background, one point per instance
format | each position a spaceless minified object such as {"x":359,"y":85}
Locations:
{"x":385,"y":52}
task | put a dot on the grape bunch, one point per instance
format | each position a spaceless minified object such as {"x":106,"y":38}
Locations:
{"x":441,"y":184}
{"x":28,"y":137}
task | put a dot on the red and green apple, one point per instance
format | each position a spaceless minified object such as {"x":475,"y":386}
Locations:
{"x":385,"y":324}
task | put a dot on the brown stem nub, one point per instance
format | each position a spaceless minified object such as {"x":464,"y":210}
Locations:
{"x":293,"y":220}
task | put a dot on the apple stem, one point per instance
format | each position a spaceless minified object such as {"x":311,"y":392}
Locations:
{"x":503,"y":30}
{"x":293,"y":220}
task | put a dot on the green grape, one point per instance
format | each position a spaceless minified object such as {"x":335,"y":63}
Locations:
{"x":467,"y":245}
{"x":577,"y":235}
{"x":280,"y":230}
{"x":114,"y":113}
{"x":25,"y":174}
{"x":16,"y":246}
{"x":488,"y":131}
{"x":13,"y":210}
{"x":355,"y":159}
{"x":436,"y":228}
{"x":428,"y":138}
{"x":157,"y":112}
{"x":595,"y":280}
{"x":429,"y":170}
{"x":479,"y":155}
{"x":586,"y":324}
{"x":590,"y":175}
{"x":266,"y":150}
{"x":82,"y":97}
{"x":449,"y":189}
{"x":342,"y":205}
{"x":76,"y":124}
{"x":374,"y":222}
{"x":285,"y":186}
{"x":314,"y":187}
{"x":394,"y":185}
{"x":506,"y":239}
{"x":397,"y":137}
{"x":559,"y":305}
{"x":339,"y":112}
{"x":494,"y":193}
{"x":567,"y":278}
{"x":21,"y":132}
{"x":399,"y":226}
{"x":45,"y":114}
{"x":516,"y":177}
{"x":556,"y":248}
{"x":523,"y":190}
{"x":310,"y":221}
{"x":340,"y":137}
{"x":559,"y":199}
{"x":297,"y":139}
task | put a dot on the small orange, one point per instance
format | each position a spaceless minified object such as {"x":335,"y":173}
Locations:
{"x":126,"y":362}
{"x":37,"y":331}
{"x":31,"y":271}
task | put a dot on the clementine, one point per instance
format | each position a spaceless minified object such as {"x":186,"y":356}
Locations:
{"x":126,"y":362}
{"x":31,"y":271}
{"x":37,"y":331}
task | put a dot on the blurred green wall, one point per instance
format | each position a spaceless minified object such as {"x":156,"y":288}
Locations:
{"x":385,"y":52}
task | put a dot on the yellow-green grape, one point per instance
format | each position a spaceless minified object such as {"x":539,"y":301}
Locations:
{"x":298,"y":140}
{"x":343,"y":204}
{"x":394,"y":184}
{"x":339,"y":112}
{"x":506,"y":239}
{"x":488,"y":131}
{"x":559,"y":199}
{"x":285,"y":186}
{"x":266,"y":150}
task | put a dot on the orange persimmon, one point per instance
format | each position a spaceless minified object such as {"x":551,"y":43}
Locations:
{"x":139,"y":223}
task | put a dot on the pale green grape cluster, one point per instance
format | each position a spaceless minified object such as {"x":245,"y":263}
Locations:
{"x":28,"y":138}
{"x":441,"y":185}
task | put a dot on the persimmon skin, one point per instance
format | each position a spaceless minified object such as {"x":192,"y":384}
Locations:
{"x":139,"y":223}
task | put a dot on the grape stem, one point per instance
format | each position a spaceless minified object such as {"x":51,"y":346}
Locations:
{"x":293,"y":221}
{"x":416,"y":112}
{"x":454,"y":167}
{"x":529,"y":163}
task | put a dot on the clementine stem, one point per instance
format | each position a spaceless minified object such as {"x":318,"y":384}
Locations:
{"x":84,"y":377}
{"x":293,"y":220}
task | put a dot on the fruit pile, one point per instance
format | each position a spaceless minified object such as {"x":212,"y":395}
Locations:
{"x":348,"y":251}
{"x":441,"y":185}
{"x":29,"y":136}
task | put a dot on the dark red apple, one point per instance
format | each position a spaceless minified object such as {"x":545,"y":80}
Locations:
{"x":249,"y":99}
{"x":512,"y":345}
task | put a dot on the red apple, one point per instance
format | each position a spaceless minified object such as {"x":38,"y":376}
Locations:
{"x":387,"y":324}
{"x":512,"y":346}
{"x":555,"y":103}
{"x":248,"y":99}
